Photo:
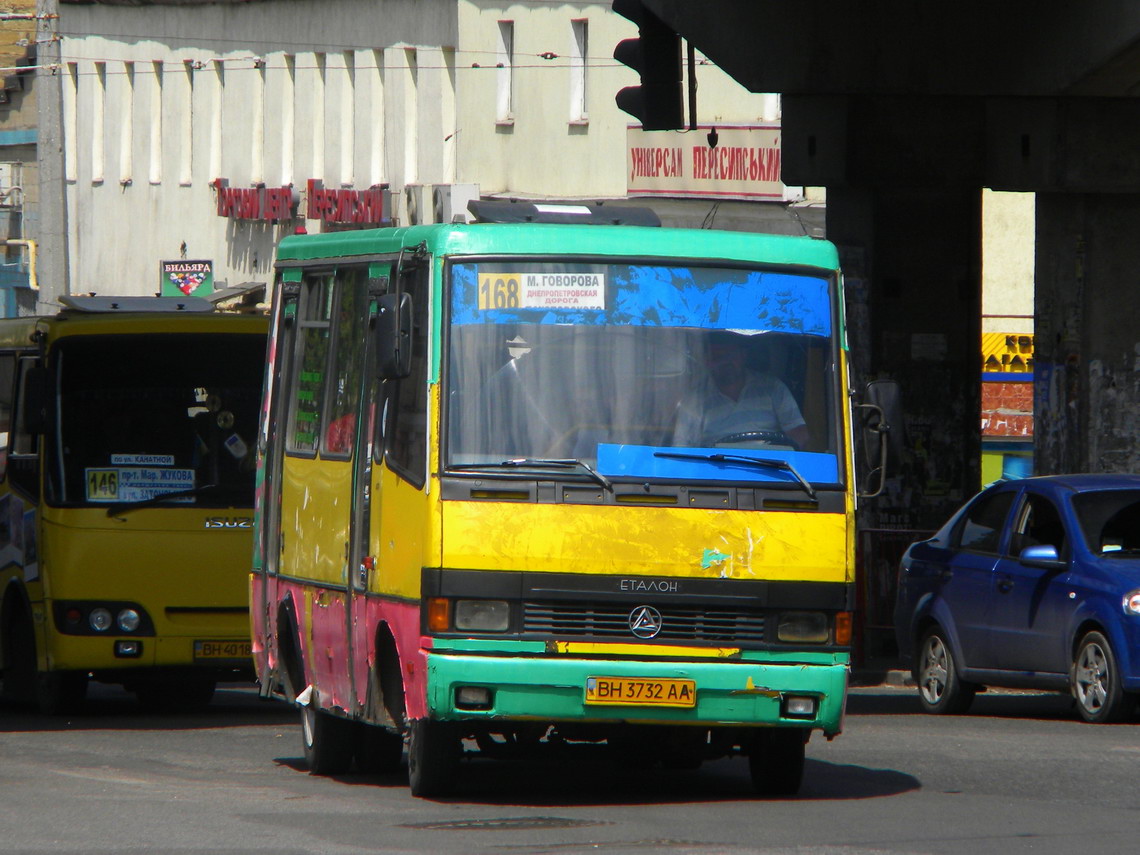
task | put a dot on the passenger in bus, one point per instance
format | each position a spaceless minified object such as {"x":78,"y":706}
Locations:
{"x":733,"y":403}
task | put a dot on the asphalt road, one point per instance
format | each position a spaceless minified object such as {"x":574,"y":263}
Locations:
{"x":1019,"y":775}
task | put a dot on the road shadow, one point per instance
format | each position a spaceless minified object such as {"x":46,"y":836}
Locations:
{"x":588,"y":777}
{"x":110,"y":707}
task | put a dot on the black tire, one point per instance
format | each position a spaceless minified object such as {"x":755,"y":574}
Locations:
{"x":19,"y":658}
{"x":378,"y":751}
{"x":50,"y":692}
{"x":329,"y":741}
{"x":433,"y":755}
{"x":61,"y":692}
{"x":1095,"y":681}
{"x":776,"y":761}
{"x":939,"y":689}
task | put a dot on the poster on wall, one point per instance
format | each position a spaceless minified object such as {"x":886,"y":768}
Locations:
{"x":187,"y":278}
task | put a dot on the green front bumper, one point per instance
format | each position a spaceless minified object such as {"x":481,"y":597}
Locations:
{"x":552,"y":688}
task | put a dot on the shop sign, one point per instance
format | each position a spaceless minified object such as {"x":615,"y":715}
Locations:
{"x":345,"y":205}
{"x":1007,"y":353}
{"x":184,"y":278}
{"x":254,"y":203}
{"x":744,"y":163}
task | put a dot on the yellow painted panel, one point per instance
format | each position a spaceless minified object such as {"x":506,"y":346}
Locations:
{"x":651,"y":541}
{"x":316,"y":506}
{"x":644,"y":650}
{"x":400,"y":534}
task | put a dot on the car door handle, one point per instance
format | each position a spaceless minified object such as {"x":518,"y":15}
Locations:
{"x":1005,"y":585}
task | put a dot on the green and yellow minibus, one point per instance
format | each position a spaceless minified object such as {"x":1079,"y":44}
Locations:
{"x":127,"y":428}
{"x":496,"y":511}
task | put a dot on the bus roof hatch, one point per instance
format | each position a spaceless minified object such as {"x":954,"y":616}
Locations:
{"x":517,"y":211}
{"x":99,"y":304}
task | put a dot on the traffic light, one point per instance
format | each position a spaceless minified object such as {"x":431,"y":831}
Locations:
{"x":656,"y":55}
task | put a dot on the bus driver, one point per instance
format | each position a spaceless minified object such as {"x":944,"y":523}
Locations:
{"x":734,"y":401}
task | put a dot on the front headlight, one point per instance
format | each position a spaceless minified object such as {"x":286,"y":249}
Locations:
{"x":803,"y":627}
{"x":482,"y":615}
{"x":99,"y":619}
{"x":1132,"y":603}
{"x":129,"y":620}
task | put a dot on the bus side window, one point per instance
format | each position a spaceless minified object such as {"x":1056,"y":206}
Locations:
{"x":343,"y":390}
{"x":310,"y":365}
{"x":7,"y":387}
{"x":405,"y":437}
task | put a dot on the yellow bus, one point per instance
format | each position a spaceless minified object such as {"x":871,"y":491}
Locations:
{"x":127,"y":429}
{"x":503,"y":508}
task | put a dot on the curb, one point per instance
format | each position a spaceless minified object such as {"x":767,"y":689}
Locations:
{"x":895,"y":677}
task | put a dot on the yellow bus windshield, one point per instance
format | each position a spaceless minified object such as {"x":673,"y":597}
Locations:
{"x":178,"y":427}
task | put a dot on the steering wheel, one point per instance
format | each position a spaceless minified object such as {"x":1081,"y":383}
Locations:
{"x":771,"y":437}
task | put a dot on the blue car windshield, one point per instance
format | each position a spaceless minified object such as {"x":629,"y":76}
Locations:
{"x":1110,"y":521}
{"x":615,"y":365}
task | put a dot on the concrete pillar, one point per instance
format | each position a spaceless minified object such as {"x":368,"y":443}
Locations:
{"x":912,"y":258}
{"x":1087,"y":341}
{"x":52,"y":232}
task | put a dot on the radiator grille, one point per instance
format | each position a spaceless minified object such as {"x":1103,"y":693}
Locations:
{"x":612,"y":621}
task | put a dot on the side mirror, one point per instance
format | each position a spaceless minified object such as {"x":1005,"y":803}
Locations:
{"x":394,"y":336}
{"x":880,"y":422}
{"x":1042,"y":555}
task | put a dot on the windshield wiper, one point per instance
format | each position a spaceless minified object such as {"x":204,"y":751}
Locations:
{"x":763,"y":462}
{"x":119,"y":507}
{"x":543,"y":463}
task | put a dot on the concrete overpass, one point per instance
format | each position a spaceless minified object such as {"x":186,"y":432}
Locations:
{"x":904,"y":110}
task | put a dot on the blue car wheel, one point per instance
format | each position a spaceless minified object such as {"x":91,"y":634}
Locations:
{"x":939,"y":688}
{"x":1096,"y":682}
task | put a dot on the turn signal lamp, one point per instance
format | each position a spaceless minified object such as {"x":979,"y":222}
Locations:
{"x":843,"y":628}
{"x":439,"y":614}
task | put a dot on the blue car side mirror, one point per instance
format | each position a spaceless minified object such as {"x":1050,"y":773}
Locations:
{"x":1043,"y":555}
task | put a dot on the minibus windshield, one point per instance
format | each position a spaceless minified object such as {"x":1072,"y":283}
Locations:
{"x":608,"y":363}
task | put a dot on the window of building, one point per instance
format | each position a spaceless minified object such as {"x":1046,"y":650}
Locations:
{"x":127,"y":124}
{"x":98,"y":121}
{"x":156,"y":82}
{"x":186,"y":125}
{"x":505,"y":61}
{"x":579,"y":46}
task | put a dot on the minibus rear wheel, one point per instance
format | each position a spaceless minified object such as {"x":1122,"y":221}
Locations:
{"x":329,"y":741}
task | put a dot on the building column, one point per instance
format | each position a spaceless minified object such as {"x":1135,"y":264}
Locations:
{"x":1087,"y":342}
{"x":912,"y":263}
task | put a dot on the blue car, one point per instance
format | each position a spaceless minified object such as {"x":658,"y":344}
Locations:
{"x":1034,"y":583}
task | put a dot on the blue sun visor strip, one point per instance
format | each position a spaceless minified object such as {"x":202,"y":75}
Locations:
{"x":643,"y":461}
{"x":640,"y":295}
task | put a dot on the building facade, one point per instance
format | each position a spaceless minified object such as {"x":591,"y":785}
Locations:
{"x":19,"y":168}
{"x":195,"y":134}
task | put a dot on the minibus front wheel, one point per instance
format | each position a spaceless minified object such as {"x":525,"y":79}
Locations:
{"x":776,"y":760}
{"x":433,"y":754}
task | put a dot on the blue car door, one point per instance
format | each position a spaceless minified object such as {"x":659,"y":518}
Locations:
{"x":1031,"y":604}
{"x":968,"y":580}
